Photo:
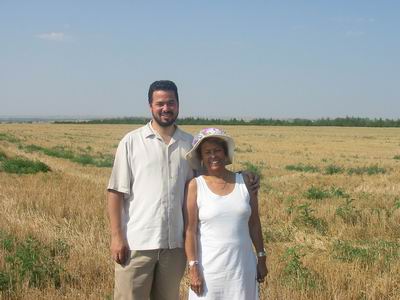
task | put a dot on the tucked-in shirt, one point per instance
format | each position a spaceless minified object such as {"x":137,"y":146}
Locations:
{"x":152,"y":177}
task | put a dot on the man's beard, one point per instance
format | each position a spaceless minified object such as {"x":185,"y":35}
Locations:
{"x":168,"y":123}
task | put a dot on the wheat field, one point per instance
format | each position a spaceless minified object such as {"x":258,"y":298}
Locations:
{"x":329,"y":205}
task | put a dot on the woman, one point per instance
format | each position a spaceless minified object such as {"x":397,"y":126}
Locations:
{"x":221,"y":223}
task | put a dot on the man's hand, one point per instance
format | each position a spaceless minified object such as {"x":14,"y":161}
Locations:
{"x":119,"y":248}
{"x":253,"y":181}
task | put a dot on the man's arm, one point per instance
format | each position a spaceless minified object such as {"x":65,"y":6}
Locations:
{"x":252,"y":181}
{"x":119,"y":245}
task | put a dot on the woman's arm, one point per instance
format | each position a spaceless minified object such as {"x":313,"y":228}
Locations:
{"x":190,"y":214}
{"x":256,"y":236}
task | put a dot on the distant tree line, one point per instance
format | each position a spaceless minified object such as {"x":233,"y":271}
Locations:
{"x":343,"y":122}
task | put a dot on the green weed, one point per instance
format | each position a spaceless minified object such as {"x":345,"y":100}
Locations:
{"x":3,"y":156}
{"x":305,"y":218}
{"x":348,"y":212}
{"x":105,"y":161}
{"x":291,"y":207}
{"x":6,"y":282}
{"x":295,"y":273}
{"x":8,"y":137}
{"x":278,"y":236}
{"x":20,"y":165}
{"x":302,"y":168}
{"x":371,"y":170}
{"x":84,"y":158}
{"x":396,"y":203}
{"x":59,"y":152}
{"x":248,"y":149}
{"x":250,"y":167}
{"x":29,"y":262}
{"x":333,"y":169}
{"x":367,"y":253}
{"x":34,"y":264}
{"x":396,"y":157}
{"x":317,"y":193}
{"x":338,"y":192}
{"x":31,"y":148}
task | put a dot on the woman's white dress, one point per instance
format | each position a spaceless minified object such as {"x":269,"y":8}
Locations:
{"x":226,"y":255}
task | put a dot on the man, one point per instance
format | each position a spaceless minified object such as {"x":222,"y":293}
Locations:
{"x":145,"y":199}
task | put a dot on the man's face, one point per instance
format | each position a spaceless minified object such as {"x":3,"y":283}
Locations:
{"x":164,"y":108}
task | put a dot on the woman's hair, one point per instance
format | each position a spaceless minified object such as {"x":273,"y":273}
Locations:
{"x":215,"y":141}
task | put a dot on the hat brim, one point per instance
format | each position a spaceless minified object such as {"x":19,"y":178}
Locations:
{"x":193,"y":158}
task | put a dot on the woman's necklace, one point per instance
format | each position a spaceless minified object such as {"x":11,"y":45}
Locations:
{"x":222,"y":182}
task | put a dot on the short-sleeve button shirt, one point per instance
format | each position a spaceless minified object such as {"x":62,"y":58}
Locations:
{"x":152,"y":177}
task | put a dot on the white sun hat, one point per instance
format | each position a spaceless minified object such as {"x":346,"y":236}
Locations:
{"x":192,"y":156}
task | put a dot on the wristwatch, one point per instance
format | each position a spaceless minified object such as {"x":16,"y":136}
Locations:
{"x":262,"y":253}
{"x":192,"y":263}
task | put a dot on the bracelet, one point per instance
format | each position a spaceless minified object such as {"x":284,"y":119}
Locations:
{"x":262,"y":253}
{"x":192,"y":263}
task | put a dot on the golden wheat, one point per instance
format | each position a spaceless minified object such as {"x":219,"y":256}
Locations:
{"x":343,"y":246}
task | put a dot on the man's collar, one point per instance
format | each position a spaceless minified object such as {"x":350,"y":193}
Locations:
{"x":149,"y":131}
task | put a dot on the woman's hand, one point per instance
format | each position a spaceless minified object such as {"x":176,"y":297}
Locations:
{"x":262,"y":270}
{"x":196,"y":280}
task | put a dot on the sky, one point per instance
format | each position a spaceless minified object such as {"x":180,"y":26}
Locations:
{"x":244,"y":59}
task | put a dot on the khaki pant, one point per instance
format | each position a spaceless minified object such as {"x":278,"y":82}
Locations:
{"x":150,"y":274}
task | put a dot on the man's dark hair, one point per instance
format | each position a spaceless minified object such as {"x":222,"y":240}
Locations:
{"x":162,"y":85}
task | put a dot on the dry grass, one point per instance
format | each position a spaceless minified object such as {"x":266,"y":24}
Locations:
{"x":343,"y":246}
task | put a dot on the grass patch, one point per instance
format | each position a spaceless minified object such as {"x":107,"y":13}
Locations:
{"x":84,"y":158}
{"x":295,"y":274}
{"x":315,"y":193}
{"x":396,"y":157}
{"x":396,"y":203}
{"x":20,"y":165}
{"x":105,"y":161}
{"x":348,"y":213}
{"x":333,"y":169}
{"x":366,"y":253}
{"x":29,"y":262}
{"x":248,"y":149}
{"x":302,"y":168}
{"x":371,"y":170}
{"x":3,"y":156}
{"x":58,"y":151}
{"x":278,"y":236}
{"x":305,"y":218}
{"x":253,"y":168}
{"x":8,"y":137}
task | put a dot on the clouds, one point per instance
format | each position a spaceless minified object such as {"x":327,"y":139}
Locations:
{"x":53,"y":36}
{"x":354,"y":33}
{"x":353,"y":20}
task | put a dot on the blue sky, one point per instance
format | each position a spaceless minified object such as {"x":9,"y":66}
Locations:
{"x":246,"y":59}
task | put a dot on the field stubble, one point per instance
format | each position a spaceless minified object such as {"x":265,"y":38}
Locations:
{"x":329,"y":235}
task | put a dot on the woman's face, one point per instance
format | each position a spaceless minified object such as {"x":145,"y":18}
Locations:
{"x":213,"y":156}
